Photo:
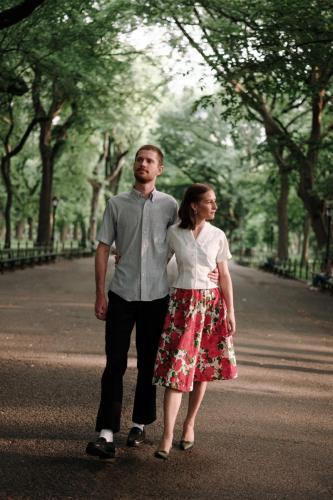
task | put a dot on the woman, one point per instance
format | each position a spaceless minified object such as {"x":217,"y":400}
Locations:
{"x":196,"y":344}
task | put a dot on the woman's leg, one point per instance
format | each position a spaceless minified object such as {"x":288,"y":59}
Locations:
{"x":172,"y":400}
{"x":194,"y":402}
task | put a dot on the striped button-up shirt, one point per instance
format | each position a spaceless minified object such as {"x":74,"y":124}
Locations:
{"x":138,"y":227}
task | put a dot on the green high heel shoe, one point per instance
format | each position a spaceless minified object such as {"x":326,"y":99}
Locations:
{"x":186,"y":445}
{"x":164,"y":455}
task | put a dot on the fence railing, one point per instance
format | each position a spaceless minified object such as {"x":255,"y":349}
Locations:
{"x":13,"y":258}
{"x":288,"y":268}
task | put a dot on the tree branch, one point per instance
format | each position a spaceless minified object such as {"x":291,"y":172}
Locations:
{"x":25,"y":136}
{"x":119,"y":165}
{"x":10,"y":130}
{"x":62,"y":131}
{"x":14,"y":15}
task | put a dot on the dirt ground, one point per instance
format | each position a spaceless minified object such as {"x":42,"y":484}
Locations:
{"x":266,"y":435}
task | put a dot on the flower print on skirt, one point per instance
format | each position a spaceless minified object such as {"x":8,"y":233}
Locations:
{"x":195,"y":344}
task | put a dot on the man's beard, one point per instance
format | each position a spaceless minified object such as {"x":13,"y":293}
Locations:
{"x":141,"y":179}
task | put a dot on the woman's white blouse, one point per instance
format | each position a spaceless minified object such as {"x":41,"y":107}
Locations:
{"x":196,"y":257}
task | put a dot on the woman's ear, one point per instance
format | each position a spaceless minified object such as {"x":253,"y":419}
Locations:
{"x":194,"y":208}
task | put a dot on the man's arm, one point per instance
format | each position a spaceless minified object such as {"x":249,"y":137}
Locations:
{"x":101,"y":265}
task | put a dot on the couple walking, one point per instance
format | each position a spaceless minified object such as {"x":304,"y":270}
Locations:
{"x":183,"y":341}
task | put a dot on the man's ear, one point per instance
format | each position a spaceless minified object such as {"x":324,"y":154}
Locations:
{"x":160,"y":169}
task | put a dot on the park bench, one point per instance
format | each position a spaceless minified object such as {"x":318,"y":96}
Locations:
{"x":13,"y":258}
{"x":21,"y":257}
{"x":281,"y":268}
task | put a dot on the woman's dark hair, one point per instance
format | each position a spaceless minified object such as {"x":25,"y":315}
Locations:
{"x":193,"y":194}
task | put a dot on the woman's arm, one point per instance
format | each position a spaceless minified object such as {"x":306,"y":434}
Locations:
{"x":226,"y":286}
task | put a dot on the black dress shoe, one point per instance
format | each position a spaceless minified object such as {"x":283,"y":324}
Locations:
{"x":101,"y":448}
{"x":135,"y":437}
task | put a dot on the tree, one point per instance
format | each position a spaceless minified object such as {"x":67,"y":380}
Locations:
{"x":199,"y":148}
{"x":274,"y":70}
{"x":68,"y":58}
{"x":8,"y":131}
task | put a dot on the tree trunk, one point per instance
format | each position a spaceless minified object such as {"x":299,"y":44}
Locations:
{"x":305,"y":242}
{"x":114,"y":184}
{"x":20,"y":229}
{"x":5,"y":172}
{"x":30,"y":229}
{"x":44,"y":219}
{"x":313,"y":204}
{"x":103,"y":161}
{"x":282,"y":213}
{"x":2,"y":225}
{"x":96,"y":190}
{"x":63,"y":232}
{"x":116,"y":170}
{"x":76,"y":230}
{"x":83,"y":232}
{"x":49,"y":149}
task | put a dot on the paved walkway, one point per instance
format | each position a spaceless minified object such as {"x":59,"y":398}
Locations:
{"x":267,"y":435}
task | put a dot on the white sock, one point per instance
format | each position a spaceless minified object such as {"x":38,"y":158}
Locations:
{"x":106,"y":434}
{"x":140,"y":426}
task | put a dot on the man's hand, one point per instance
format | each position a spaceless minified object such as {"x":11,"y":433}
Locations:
{"x":214,"y":276}
{"x":101,"y":307}
{"x":231,"y":322}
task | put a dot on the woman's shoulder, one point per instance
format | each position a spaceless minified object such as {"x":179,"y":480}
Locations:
{"x":216,"y":231}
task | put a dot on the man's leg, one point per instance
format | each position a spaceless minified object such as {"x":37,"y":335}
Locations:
{"x":149,"y":327}
{"x":119,"y":325}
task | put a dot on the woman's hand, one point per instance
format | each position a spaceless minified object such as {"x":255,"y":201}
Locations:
{"x":231,"y":322}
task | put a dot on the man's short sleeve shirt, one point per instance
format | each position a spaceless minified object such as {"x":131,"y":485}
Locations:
{"x":138,"y":227}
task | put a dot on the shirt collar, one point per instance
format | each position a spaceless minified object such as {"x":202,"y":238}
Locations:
{"x":152,"y":196}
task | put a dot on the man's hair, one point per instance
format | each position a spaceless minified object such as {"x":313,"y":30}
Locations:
{"x":151,"y":147}
{"x":193,"y":194}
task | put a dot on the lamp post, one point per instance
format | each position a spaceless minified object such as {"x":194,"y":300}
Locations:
{"x":55,"y":202}
{"x":329,"y":214}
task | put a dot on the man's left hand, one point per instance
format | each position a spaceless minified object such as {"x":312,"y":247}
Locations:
{"x":214,"y":276}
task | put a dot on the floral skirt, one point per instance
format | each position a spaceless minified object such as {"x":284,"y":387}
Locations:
{"x":195,"y":344}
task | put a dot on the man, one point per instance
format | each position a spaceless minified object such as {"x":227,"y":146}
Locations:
{"x":137,"y":222}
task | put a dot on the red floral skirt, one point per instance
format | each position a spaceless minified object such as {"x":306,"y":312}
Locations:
{"x":195,"y":345}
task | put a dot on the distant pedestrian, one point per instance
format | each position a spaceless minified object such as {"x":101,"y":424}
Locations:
{"x":324,"y":278}
{"x":196,"y":345}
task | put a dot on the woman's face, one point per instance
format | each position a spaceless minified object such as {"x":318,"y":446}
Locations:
{"x":206,"y":207}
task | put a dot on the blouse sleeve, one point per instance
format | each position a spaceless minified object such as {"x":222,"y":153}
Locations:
{"x":223,"y":251}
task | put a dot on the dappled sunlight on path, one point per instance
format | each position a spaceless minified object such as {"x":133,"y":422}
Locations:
{"x":263,"y":435}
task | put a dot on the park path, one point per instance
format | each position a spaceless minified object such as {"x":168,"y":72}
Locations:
{"x":266,"y":435}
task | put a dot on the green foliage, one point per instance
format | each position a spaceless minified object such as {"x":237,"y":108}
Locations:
{"x":271,"y":58}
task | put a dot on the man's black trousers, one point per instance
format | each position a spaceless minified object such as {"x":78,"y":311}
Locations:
{"x":121,"y":317}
